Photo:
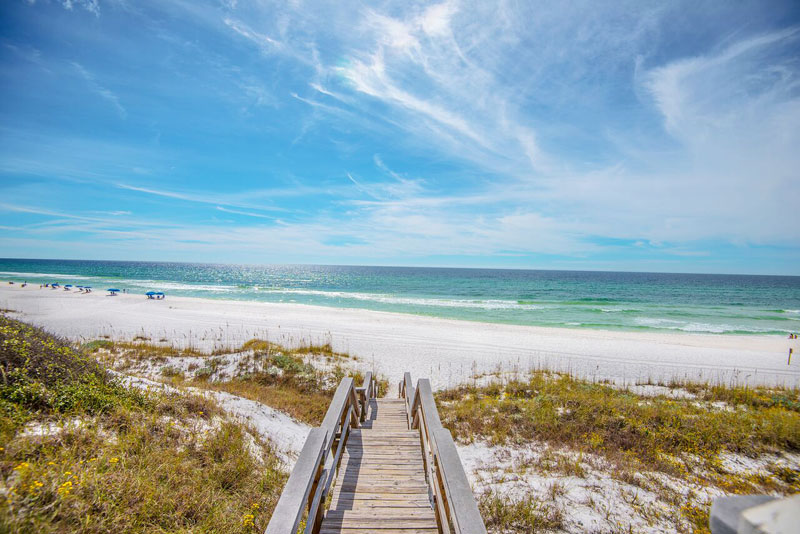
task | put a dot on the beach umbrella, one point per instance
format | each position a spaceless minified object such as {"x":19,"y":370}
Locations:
{"x":112,"y":290}
{"x":150,"y":293}
{"x":68,"y":285}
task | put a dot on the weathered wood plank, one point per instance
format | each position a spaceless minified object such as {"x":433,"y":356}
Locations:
{"x":353,"y":496}
{"x":381,"y":500}
{"x":384,"y":529}
{"x":366,"y":514}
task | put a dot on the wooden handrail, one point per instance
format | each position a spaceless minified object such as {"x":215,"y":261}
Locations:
{"x":316,"y":467}
{"x":455,"y":506}
{"x":407,"y":393}
{"x":289,"y":510}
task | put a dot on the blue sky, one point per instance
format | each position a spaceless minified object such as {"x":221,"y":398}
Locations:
{"x":651,"y":136}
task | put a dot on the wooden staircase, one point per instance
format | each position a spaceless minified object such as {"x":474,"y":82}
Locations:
{"x":381,"y":484}
{"x":378,"y":465}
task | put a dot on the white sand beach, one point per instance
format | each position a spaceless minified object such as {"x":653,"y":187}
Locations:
{"x":447,"y":351}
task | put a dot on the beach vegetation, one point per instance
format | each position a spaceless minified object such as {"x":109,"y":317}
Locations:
{"x":577,"y":426}
{"x":524,"y":515}
{"x":298,"y":380}
{"x":81,"y":452}
{"x":561,"y":409}
{"x":290,"y":380}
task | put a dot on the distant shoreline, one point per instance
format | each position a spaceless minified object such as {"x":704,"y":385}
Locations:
{"x":580,"y":300}
{"x":450,"y":351}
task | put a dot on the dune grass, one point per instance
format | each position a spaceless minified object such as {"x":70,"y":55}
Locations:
{"x":287,"y":381}
{"x":299,"y":381}
{"x":560,"y":409}
{"x":683,"y":438}
{"x":81,"y":453}
{"x":524,"y":515}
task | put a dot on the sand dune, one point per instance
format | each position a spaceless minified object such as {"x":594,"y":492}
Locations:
{"x":447,"y":351}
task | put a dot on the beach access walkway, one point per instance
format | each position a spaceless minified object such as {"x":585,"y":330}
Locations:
{"x":378,"y":465}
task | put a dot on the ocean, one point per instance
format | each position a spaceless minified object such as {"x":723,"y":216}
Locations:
{"x":700,"y":303}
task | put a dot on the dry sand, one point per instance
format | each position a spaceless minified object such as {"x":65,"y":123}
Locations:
{"x":447,"y":351}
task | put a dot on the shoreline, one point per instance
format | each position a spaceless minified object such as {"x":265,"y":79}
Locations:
{"x":450,"y":351}
{"x":618,"y":310}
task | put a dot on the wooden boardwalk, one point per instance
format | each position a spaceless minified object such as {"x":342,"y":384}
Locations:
{"x":378,"y":465}
{"x":381,"y":485}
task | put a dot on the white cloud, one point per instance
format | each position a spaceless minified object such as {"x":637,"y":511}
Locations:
{"x":435,"y":20}
{"x":736,"y":113}
{"x":92,"y":6}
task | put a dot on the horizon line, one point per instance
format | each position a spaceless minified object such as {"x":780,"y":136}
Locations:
{"x":442,"y":267}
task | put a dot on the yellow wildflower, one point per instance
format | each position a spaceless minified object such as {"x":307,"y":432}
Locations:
{"x":67,"y":473}
{"x":255,"y":506}
{"x":247,"y":520}
{"x":21,"y":466}
{"x":65,"y":488}
{"x":114,"y":460}
{"x":51,"y":463}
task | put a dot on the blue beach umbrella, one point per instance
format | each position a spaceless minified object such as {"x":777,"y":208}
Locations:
{"x":68,"y":285}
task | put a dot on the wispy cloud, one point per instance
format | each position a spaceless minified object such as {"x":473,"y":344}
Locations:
{"x":265,"y":42}
{"x":247,"y":213}
{"x":98,"y":89}
{"x":251,"y":199}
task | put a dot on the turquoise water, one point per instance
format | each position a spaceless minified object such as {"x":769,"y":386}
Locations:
{"x":716,"y":304}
